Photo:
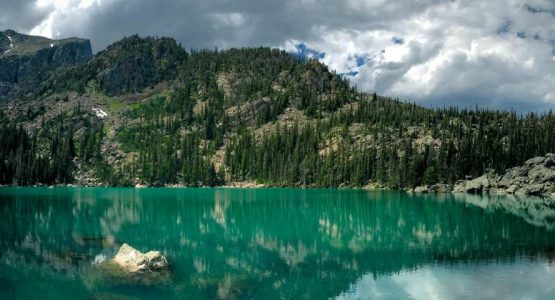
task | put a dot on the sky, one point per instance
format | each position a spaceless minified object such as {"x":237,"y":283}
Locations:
{"x":494,"y":53}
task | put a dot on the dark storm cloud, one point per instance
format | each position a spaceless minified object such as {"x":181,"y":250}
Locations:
{"x":21,"y":15}
{"x":224,"y":23}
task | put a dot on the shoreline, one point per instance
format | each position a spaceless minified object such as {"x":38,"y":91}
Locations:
{"x":419,"y":190}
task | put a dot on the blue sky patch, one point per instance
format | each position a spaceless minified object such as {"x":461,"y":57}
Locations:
{"x":504,"y":28}
{"x":351,"y":73}
{"x":397,"y":40}
{"x":361,"y":60}
{"x":305,"y":52}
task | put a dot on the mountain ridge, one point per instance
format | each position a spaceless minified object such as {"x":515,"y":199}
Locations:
{"x":146,"y":112}
{"x":25,"y":60}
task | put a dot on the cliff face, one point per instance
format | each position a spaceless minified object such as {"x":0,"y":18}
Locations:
{"x":26,"y":60}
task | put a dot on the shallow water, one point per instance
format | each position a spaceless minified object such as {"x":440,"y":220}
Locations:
{"x":276,"y":244}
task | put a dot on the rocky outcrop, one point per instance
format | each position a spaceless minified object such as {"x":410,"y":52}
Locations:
{"x":535,"y":177}
{"x":476,"y":185}
{"x":133,"y":261}
{"x":134,"y":63}
{"x":25,"y":61}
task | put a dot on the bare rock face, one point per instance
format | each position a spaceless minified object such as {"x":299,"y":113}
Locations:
{"x":25,"y":60}
{"x":535,"y":177}
{"x":132,"y":260}
{"x":476,"y":185}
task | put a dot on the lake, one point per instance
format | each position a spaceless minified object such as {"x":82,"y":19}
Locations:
{"x":277,"y":244}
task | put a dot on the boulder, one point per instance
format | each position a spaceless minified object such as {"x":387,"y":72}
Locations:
{"x":156,"y":261}
{"x":534,"y":189}
{"x":477,"y":185}
{"x":535,"y":161}
{"x":535,"y":177}
{"x":549,"y":160}
{"x":440,"y":188}
{"x":421,"y":189}
{"x":540,"y":173}
{"x":132,"y":260}
{"x":511,"y":189}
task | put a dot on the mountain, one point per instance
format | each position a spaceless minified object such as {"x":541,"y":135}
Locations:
{"x":26,"y":60}
{"x":146,"y":112}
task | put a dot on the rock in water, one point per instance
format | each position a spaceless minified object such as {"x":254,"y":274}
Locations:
{"x":132,"y":260}
{"x":156,"y":261}
{"x":421,"y":189}
{"x":476,"y":185}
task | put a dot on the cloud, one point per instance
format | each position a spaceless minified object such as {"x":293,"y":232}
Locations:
{"x":519,"y":279}
{"x":21,"y":15}
{"x":496,"y":53}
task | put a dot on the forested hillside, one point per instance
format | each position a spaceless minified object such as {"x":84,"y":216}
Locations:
{"x":146,"y":112}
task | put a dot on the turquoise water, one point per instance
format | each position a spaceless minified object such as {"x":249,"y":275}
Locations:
{"x":276,"y":244}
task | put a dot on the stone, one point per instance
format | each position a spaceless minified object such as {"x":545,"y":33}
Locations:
{"x":521,"y":192}
{"x":459,"y":187}
{"x":511,"y":189}
{"x":156,"y":261}
{"x":440,"y":188}
{"x":540,"y":173}
{"x":477,"y":185}
{"x":534,"y":189}
{"x":133,"y":261}
{"x":535,"y":161}
{"x":549,"y":160}
{"x":421,"y":189}
{"x":535,"y":177}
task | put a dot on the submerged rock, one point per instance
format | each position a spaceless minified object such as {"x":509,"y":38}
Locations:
{"x":132,"y":260}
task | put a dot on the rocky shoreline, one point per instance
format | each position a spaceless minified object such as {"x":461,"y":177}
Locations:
{"x":535,"y":178}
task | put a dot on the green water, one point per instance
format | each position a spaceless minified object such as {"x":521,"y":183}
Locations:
{"x":276,"y":244}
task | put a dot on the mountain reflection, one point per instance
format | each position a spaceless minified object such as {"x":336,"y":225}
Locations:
{"x":273,"y":243}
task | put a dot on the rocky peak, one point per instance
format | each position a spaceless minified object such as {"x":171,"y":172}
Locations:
{"x":14,"y":43}
{"x":135,"y":62}
{"x":26,"y":60}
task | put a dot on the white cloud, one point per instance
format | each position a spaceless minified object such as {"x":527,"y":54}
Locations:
{"x":454,"y":53}
{"x":497,"y":53}
{"x":232,"y":19}
{"x":59,"y":9}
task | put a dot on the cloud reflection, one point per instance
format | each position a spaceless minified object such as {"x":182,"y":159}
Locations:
{"x":523,"y":279}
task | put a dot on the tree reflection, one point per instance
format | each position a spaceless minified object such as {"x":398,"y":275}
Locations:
{"x":273,"y":243}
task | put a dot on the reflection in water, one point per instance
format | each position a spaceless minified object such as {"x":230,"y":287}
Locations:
{"x":270,"y":243}
{"x":538,"y":211}
{"x":520,"y":280}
